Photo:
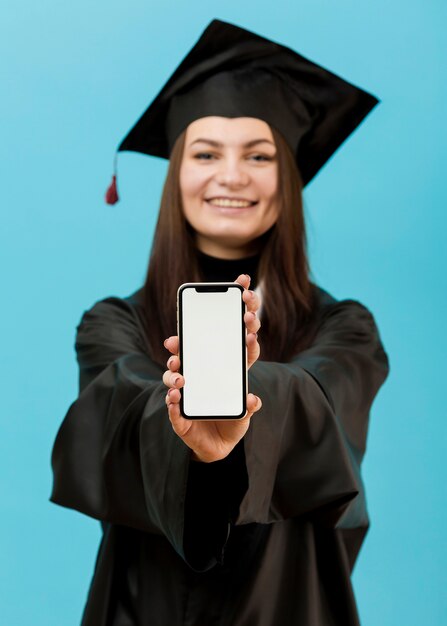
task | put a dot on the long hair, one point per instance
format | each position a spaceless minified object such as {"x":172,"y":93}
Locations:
{"x":288,"y":305}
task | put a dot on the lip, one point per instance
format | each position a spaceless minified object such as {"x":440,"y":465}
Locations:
{"x":231,"y":210}
{"x":230,"y":198}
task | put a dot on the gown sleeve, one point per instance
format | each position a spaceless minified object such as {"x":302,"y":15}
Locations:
{"x":116,"y":457}
{"x":304,"y":447}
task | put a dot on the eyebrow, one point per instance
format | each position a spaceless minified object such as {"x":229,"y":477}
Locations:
{"x":218,"y":144}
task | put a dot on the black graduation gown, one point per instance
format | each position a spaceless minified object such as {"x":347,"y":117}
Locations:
{"x":267,"y":536}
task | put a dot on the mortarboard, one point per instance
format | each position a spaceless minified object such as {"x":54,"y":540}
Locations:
{"x":233,"y":72}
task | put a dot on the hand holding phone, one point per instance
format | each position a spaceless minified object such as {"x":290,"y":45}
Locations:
{"x":213,"y":440}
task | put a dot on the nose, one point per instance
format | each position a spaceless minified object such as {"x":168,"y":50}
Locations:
{"x":231,"y":173}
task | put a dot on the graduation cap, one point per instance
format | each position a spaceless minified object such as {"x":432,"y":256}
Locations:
{"x":232,"y":72}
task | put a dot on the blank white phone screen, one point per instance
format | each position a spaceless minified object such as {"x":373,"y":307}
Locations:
{"x":213,"y":337}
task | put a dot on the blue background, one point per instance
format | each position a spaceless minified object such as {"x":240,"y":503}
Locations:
{"x":75,"y":76}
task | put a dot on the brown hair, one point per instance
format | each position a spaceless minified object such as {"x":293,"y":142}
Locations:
{"x":288,"y":305}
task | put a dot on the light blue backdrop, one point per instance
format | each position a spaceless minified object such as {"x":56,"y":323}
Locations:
{"x":75,"y":76}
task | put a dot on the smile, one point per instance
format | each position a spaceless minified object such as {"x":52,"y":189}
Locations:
{"x":227,"y":202}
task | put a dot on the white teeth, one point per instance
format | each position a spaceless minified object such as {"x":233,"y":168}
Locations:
{"x":224,"y":202}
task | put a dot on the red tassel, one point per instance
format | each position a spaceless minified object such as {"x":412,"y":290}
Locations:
{"x":111,"y":196}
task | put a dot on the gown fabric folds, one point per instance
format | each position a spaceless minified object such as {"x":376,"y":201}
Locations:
{"x":267,"y":536}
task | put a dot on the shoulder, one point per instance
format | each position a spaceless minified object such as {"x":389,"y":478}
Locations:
{"x":347,"y":327}
{"x":327,"y":304}
{"x":113,"y":317}
{"x":347,"y":315}
{"x":114,"y":308}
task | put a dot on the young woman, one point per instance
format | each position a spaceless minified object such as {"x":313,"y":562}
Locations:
{"x":255,"y":522}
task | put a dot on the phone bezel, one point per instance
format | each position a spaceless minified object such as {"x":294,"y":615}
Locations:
{"x":210,"y":287}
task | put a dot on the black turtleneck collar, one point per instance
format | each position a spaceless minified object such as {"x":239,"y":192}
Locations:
{"x":227,"y":270}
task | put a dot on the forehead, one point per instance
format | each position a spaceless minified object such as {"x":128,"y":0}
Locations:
{"x":228,"y":129}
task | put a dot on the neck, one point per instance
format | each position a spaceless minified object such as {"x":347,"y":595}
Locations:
{"x":217,"y":269}
{"x":222,"y":251}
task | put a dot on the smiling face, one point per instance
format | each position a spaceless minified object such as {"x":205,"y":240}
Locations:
{"x":228,"y":183}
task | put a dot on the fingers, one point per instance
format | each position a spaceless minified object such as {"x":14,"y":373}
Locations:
{"x":173,"y":363}
{"x":179,"y":424}
{"x":175,"y":382}
{"x":244,"y":280}
{"x":253,"y":349}
{"x":251,"y":300}
{"x":254,"y":403}
{"x":252,"y":322}
{"x":249,"y":297}
{"x":173,"y":396}
{"x":171,"y":344}
{"x":173,"y":379}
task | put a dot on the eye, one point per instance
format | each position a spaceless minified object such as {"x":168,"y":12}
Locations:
{"x":261,"y":157}
{"x":204,"y":156}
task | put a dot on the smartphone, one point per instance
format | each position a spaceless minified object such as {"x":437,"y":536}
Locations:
{"x":212,"y":351}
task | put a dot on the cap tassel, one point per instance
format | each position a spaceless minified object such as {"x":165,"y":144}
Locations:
{"x":111,"y":196}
